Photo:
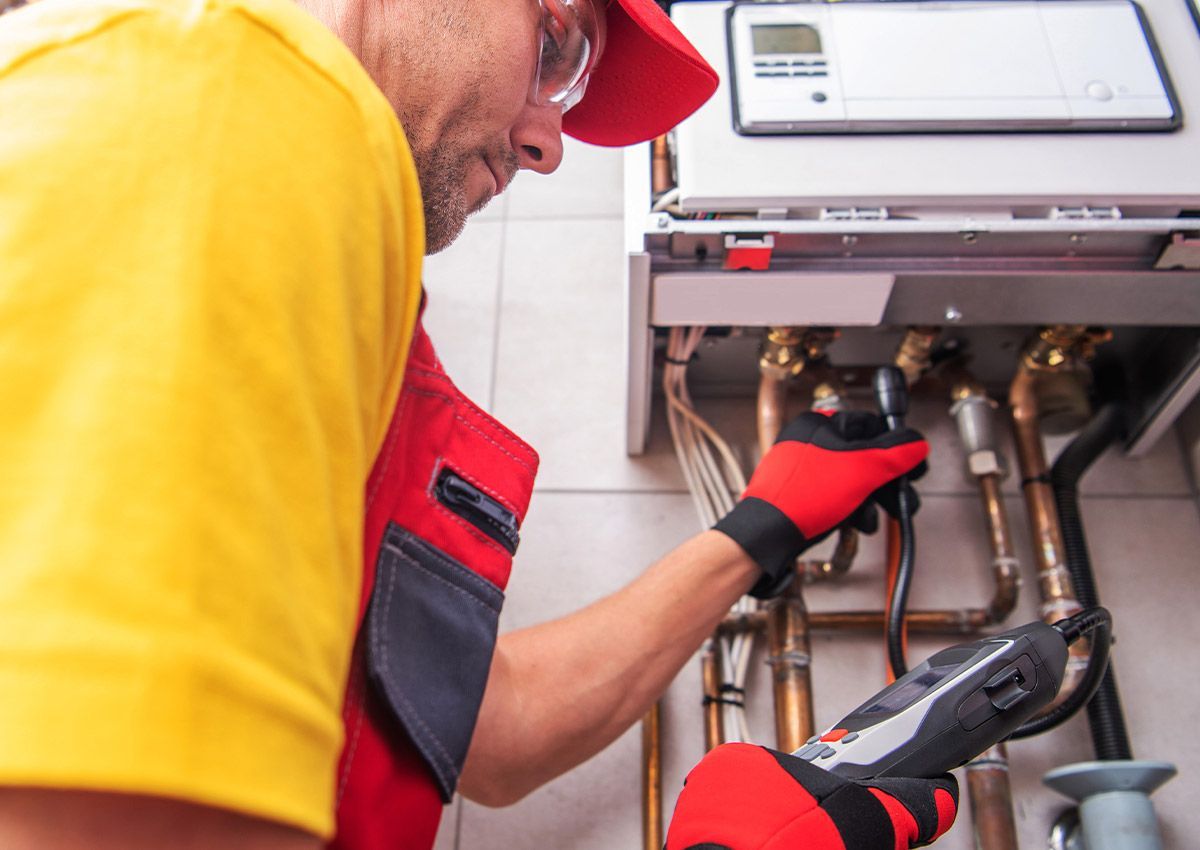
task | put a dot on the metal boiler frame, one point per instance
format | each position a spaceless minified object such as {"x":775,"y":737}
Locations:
{"x":871,"y":257}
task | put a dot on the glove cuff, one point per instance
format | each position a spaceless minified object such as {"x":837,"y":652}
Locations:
{"x":770,"y":538}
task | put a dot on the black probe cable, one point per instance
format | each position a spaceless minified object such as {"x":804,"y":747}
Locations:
{"x":891,"y":393}
{"x":1097,"y":622}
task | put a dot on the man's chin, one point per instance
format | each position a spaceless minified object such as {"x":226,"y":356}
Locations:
{"x":442,"y":227}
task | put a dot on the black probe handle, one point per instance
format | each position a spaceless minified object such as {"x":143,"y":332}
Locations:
{"x":891,"y":393}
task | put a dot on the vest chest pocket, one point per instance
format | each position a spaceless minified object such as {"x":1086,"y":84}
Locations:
{"x":431,"y":632}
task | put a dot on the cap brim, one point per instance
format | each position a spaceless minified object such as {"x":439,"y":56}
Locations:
{"x":648,"y":80}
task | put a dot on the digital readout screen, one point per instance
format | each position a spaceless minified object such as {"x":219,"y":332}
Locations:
{"x":785,"y":38}
{"x":902,"y":695}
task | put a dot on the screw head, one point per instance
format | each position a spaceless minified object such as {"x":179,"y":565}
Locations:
{"x":953,"y":314}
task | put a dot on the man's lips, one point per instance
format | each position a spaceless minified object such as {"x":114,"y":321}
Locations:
{"x":500,"y":178}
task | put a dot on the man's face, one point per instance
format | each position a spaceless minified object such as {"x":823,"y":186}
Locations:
{"x":459,"y":77}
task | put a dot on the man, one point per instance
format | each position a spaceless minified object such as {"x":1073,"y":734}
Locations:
{"x":212,"y":227}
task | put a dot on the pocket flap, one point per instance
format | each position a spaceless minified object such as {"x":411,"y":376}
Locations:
{"x":431,"y":632}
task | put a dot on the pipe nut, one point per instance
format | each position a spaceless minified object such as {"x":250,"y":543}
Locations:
{"x":986,"y":462}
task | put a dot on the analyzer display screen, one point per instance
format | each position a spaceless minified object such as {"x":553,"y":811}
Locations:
{"x":785,"y":38}
{"x":905,"y":694}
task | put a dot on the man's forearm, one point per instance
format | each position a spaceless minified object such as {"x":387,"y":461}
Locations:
{"x":561,"y":691}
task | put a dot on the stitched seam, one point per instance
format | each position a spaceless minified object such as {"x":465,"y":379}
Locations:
{"x":459,"y":590}
{"x":381,"y":648}
{"x":491,"y":492}
{"x":458,"y":569}
{"x":359,"y":714}
{"x":517,"y":442}
{"x":491,"y":422}
{"x":494,"y":442}
{"x":470,"y":529}
{"x":431,"y":495}
{"x":393,"y":438}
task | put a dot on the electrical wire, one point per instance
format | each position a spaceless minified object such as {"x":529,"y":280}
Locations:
{"x":716,"y":481}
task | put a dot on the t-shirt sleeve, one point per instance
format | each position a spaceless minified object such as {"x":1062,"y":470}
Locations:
{"x":203,"y":265}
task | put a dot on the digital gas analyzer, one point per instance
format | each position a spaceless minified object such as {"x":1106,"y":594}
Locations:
{"x":962,"y":700}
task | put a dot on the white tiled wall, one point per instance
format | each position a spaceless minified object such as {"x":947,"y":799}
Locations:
{"x":526,"y":312}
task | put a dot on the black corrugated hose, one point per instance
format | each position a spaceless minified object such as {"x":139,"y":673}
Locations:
{"x":1098,"y":623}
{"x":1105,"y":716}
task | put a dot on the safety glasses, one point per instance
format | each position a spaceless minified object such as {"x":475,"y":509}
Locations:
{"x":566,"y":52}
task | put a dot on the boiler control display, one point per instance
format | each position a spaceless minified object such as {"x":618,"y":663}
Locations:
{"x":857,"y":66}
{"x":785,"y":38}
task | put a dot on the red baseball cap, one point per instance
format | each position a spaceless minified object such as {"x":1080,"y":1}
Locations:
{"x":648,"y":80}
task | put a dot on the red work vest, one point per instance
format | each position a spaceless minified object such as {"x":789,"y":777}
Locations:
{"x":444,"y":501}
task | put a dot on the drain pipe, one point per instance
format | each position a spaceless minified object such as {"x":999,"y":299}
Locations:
{"x":1114,"y":792}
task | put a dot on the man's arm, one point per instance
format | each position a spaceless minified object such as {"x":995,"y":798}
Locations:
{"x":562,"y":691}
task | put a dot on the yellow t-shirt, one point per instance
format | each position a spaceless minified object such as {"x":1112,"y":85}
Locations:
{"x":210,"y":250}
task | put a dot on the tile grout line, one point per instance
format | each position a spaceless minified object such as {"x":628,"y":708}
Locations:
{"x":497,"y":308}
{"x":458,"y":819}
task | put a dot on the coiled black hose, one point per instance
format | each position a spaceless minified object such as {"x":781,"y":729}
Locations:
{"x":1098,"y":623}
{"x":1110,"y":738}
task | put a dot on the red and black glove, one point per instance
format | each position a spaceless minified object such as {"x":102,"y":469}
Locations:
{"x":821,"y":472}
{"x":744,"y":797}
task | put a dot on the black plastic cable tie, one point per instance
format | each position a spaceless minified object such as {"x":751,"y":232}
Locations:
{"x":676,"y":361}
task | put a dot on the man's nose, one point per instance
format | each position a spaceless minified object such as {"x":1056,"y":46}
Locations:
{"x":537,"y":138}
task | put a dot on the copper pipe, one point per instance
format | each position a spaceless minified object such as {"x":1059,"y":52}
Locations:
{"x":1005,"y":566}
{"x":772,"y":401}
{"x":652,"y":825}
{"x":839,"y":562}
{"x":714,"y":721}
{"x":1054,"y":583}
{"x":790,"y":658}
{"x":660,"y":166}
{"x":991,"y":801}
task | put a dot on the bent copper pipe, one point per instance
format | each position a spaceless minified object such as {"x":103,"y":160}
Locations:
{"x":652,"y":825}
{"x":1054,"y":582}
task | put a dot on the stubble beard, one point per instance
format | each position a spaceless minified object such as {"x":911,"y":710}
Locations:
{"x":442,"y":168}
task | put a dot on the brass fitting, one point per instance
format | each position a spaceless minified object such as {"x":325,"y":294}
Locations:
{"x":914,"y":354}
{"x":782,"y":356}
{"x":1064,"y":347}
{"x":1059,"y":355}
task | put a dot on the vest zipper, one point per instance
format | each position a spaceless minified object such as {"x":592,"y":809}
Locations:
{"x":479,"y":509}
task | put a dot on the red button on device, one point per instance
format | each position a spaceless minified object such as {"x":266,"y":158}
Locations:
{"x":835,"y":734}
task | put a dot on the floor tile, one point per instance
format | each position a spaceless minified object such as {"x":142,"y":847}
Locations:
{"x":463,"y":283}
{"x":560,"y":377}
{"x":447,"y":835}
{"x":589,"y":183}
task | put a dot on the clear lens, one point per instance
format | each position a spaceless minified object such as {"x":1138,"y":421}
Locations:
{"x":568,"y":32}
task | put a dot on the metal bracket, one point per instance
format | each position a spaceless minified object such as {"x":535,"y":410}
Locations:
{"x":748,"y":251}
{"x":1086,"y":213}
{"x":854,"y":214}
{"x":1180,"y":253}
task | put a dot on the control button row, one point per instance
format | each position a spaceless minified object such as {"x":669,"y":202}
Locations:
{"x":795,"y":63}
{"x":791,"y":74}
